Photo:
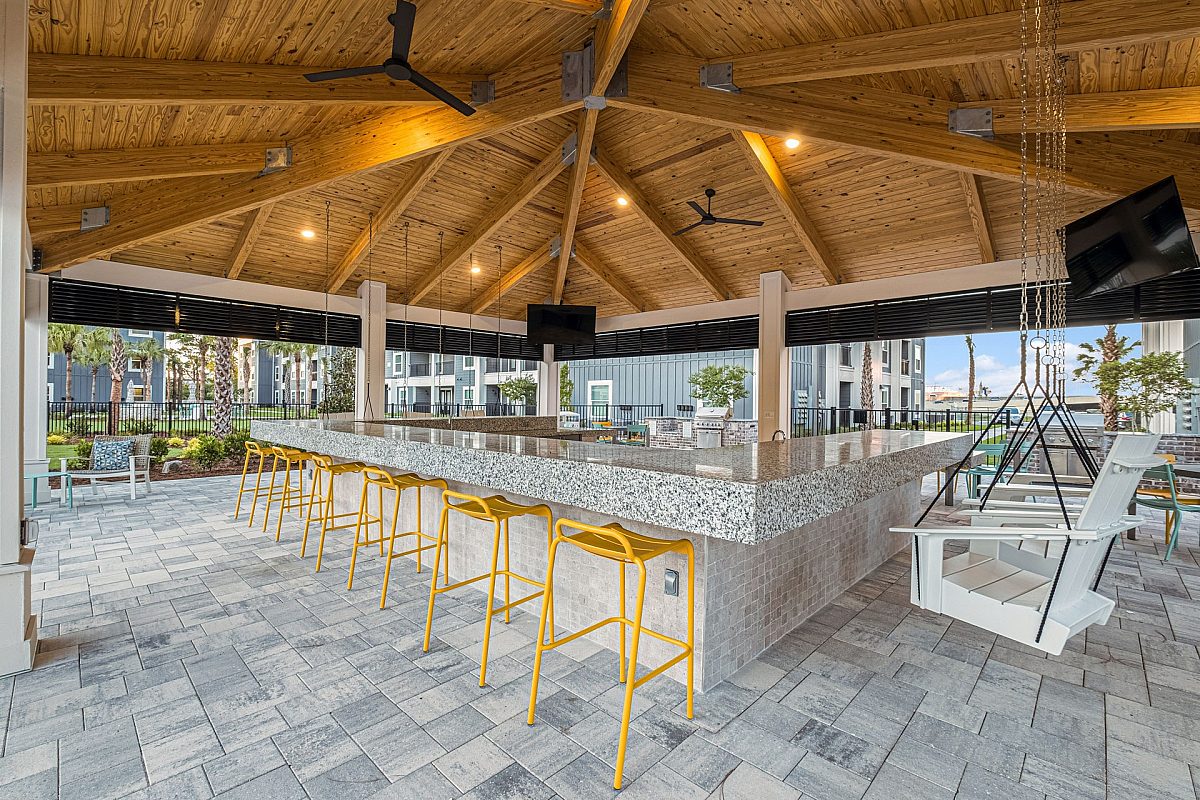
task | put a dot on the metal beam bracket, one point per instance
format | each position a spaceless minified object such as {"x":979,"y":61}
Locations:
{"x":577,"y":74}
{"x":718,"y":76}
{"x":605,"y":11}
{"x":595,"y":101}
{"x":483,"y":92}
{"x":276,"y":159}
{"x":569,"y":148}
{"x":555,"y":246}
{"x":92,"y":218}
{"x":619,"y":85}
{"x":972,"y":122}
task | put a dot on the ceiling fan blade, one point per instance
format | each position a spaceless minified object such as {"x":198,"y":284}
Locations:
{"x":441,"y":94}
{"x":402,"y":21}
{"x":727,"y":221}
{"x":334,"y":74}
{"x":696,"y":207}
{"x":688,"y":228}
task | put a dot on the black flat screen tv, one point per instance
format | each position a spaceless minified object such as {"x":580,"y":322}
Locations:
{"x":1136,"y":239}
{"x":553,"y":324}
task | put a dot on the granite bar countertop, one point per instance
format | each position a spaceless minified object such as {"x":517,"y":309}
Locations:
{"x":749,"y":493}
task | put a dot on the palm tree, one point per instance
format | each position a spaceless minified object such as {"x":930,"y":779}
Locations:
{"x":65,"y":339}
{"x":283,"y":350}
{"x":149,"y":351}
{"x":1100,"y":362}
{"x":94,"y":352}
{"x":222,"y":422}
{"x":970,"y":375}
{"x":116,"y":368}
{"x":247,"y":352}
{"x":300,"y":354}
{"x":867,"y":393}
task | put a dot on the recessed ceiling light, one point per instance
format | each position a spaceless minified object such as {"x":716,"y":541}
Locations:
{"x":791,"y":142}
{"x":622,"y":201}
{"x":475,"y":270}
{"x":308,"y":233}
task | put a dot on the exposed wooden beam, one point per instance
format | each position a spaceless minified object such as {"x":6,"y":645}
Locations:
{"x":585,"y":132}
{"x":251,"y":228}
{"x":574,"y":6}
{"x":768,"y":171}
{"x":1145,"y":109}
{"x":504,"y":210}
{"x":78,"y":80}
{"x":904,"y":127}
{"x":49,"y":220}
{"x":395,"y":137}
{"x":393,"y":207}
{"x":613,"y":36}
{"x":976,"y":207}
{"x":494,"y":293}
{"x":612,"y":280}
{"x":1086,"y":25}
{"x":682,"y":247}
{"x":84,"y":167}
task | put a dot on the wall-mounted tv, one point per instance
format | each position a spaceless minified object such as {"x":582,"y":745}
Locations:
{"x":1136,"y":239}
{"x":552,"y":324}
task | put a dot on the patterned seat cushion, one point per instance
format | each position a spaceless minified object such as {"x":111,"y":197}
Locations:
{"x":111,"y":455}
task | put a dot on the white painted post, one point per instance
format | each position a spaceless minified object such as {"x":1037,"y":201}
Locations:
{"x":774,"y":377}
{"x":547,"y":397}
{"x":18,"y":630}
{"x":37,"y":309}
{"x":370,"y":396}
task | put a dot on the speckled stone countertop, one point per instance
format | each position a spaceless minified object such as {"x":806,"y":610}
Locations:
{"x":748,"y":493}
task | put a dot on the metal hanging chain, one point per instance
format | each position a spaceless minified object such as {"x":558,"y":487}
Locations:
{"x":499,"y":296}
{"x":404,"y":312}
{"x":441,"y":282}
{"x":368,"y":410}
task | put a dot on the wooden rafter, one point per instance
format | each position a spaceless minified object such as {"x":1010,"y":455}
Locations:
{"x":504,"y":210}
{"x":585,"y":132}
{"x":395,"y":137}
{"x":49,"y":220}
{"x":103,"y":79}
{"x":613,"y":36}
{"x":621,"y":181}
{"x":574,"y":6}
{"x":1145,"y":109}
{"x":1086,"y":25}
{"x":84,"y":167}
{"x":612,"y":280}
{"x":494,"y":293}
{"x":768,"y":171}
{"x":393,"y":207}
{"x":908,"y":128}
{"x":976,"y":207}
{"x":251,"y":228}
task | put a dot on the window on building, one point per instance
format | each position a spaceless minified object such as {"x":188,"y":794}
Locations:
{"x":599,"y":394}
{"x":846,"y":357}
{"x":139,"y":334}
{"x":905,"y":396}
{"x":885,"y":396}
{"x":905,"y":362}
{"x":917,"y":358}
{"x":136,"y":364}
{"x":845,"y":388}
{"x":885,"y":356}
{"x":469,"y":395}
{"x":50,"y":361}
{"x":138,"y":393}
{"x":468,"y":362}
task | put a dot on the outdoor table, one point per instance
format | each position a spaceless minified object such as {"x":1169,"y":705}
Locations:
{"x":68,"y":496}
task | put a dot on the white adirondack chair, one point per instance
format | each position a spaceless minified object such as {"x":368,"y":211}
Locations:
{"x":1026,"y":575}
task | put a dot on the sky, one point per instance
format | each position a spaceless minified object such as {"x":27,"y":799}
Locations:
{"x":998,"y":361}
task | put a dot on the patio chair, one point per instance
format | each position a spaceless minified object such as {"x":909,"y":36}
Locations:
{"x":1169,"y":500}
{"x":139,"y":464}
{"x":1026,"y":575}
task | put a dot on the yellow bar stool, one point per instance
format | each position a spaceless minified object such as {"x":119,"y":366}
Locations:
{"x":624,"y":547}
{"x":498,"y":511}
{"x":253,"y":450}
{"x":320,"y":495}
{"x":386,"y":482}
{"x":289,"y":496}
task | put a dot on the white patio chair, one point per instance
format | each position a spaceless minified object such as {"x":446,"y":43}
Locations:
{"x":1026,"y":575}
{"x":139,"y":465}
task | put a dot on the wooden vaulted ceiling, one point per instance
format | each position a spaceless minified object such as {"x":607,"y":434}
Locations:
{"x":162,"y":111}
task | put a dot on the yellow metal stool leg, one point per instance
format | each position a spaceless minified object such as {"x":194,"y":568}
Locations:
{"x":491,"y":602}
{"x":443,"y":525}
{"x":271,"y":492}
{"x":691,"y":625}
{"x":313,"y":490}
{"x":630,"y":675}
{"x":621,"y":612}
{"x":540,"y":646}
{"x":363,"y":514}
{"x":285,"y":498}
{"x":237,"y":509}
{"x":262,"y":457}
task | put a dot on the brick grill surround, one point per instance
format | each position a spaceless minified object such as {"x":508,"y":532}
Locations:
{"x":668,"y":432}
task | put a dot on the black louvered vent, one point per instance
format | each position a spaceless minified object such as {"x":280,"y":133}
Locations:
{"x":85,"y":303}
{"x":740,"y":333}
{"x":417,"y":337}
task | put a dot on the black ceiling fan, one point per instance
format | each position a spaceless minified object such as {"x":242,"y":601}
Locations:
{"x":707,"y":218}
{"x":397,"y":67}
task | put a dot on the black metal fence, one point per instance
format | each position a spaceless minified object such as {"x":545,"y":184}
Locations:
{"x":821,"y":421}
{"x":185,"y":420}
{"x":436,"y":409}
{"x":602,"y":415}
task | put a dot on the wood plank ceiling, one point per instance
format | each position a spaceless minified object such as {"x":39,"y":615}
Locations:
{"x":161,"y":111}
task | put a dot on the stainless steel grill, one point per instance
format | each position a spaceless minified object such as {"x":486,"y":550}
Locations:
{"x":710,"y":425}
{"x":1063,"y":455}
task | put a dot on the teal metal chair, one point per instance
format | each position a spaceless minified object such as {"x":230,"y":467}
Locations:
{"x":993,"y":453}
{"x":1168,"y":500}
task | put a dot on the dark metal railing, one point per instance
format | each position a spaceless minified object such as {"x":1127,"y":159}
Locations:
{"x":602,"y":415}
{"x":185,"y":420}
{"x":436,"y":409}
{"x":821,"y":421}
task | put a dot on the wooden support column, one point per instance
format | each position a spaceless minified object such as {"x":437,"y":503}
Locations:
{"x":774,"y":378}
{"x":370,"y":391}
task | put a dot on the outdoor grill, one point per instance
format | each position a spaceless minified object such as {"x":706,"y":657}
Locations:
{"x":1063,"y":456}
{"x":710,"y":425}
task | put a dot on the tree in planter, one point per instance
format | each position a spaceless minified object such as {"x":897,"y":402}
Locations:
{"x":970,"y":375}
{"x":566,"y":386}
{"x":339,"y":384}
{"x":520,"y":390}
{"x":66,"y":339}
{"x":1100,"y":365}
{"x":222,"y":421}
{"x":866,"y":394}
{"x":1153,"y":383}
{"x":720,"y":386}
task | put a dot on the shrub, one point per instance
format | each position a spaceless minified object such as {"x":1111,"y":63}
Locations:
{"x":80,"y":426}
{"x":176,"y":442}
{"x":83,"y":452}
{"x":54,"y":438}
{"x":207,"y":451}
{"x":138,"y":427}
{"x":235,"y":444}
{"x":159,"y":448}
